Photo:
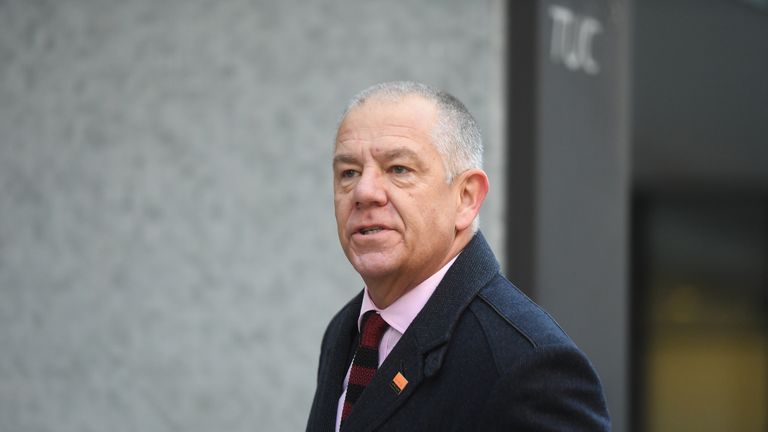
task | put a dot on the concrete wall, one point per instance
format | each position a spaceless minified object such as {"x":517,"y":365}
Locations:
{"x":168,"y":257}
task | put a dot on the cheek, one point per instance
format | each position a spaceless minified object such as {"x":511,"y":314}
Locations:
{"x":340,"y":201}
{"x":340,"y":213}
{"x":443,"y":211}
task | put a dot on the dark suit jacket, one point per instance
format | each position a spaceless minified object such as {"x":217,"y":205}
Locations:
{"x":480,"y":356}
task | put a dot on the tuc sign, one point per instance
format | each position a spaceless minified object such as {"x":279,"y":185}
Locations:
{"x":571,"y":39}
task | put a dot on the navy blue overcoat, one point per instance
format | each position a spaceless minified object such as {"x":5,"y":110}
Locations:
{"x":480,"y":356}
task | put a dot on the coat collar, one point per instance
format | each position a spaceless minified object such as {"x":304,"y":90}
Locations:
{"x":473,"y":269}
{"x":338,"y":347}
{"x":419,"y":353}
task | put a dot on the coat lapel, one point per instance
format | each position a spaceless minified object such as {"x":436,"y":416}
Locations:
{"x":419,"y":353}
{"x":336,"y":360}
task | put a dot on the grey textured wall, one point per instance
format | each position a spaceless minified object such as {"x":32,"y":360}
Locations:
{"x":168,"y":258}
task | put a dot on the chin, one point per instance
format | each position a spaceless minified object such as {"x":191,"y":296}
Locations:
{"x":373,"y":267}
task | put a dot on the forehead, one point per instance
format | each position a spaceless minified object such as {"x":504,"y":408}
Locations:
{"x":411,"y":118}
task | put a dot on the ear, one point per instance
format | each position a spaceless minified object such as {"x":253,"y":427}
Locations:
{"x":472,"y":189}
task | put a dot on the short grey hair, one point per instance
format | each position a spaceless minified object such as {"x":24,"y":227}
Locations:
{"x":456,"y":135}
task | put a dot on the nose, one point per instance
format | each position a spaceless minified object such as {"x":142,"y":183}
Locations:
{"x":370,"y":189}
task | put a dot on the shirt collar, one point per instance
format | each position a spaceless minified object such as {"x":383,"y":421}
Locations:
{"x":403,"y":311}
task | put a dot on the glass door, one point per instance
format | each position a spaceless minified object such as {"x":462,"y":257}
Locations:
{"x":701,"y":312}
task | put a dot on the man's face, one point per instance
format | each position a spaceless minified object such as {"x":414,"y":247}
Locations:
{"x":395,"y":212}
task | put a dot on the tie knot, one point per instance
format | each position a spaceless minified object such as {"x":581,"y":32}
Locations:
{"x":373,"y":328}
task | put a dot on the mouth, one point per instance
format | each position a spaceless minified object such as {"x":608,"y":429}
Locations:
{"x":370,"y":230}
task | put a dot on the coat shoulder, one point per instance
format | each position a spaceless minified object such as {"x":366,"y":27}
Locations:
{"x":513,"y":324}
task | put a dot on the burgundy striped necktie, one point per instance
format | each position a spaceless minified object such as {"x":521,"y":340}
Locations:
{"x":366,"y":359}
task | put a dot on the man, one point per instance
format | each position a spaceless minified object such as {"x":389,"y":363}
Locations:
{"x":438,"y":339}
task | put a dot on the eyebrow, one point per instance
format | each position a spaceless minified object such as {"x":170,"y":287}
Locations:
{"x":387,"y":156}
{"x":401,"y":152}
{"x":344,"y":158}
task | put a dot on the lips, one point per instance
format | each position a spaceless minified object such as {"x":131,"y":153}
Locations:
{"x":367,"y":230}
{"x":371,"y":230}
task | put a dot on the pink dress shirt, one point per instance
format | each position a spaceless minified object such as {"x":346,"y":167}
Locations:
{"x":399,"y":316}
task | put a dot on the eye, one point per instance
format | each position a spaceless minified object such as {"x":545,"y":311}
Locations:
{"x":348,"y":173}
{"x":399,"y":169}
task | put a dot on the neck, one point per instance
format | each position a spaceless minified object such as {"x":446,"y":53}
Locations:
{"x":386,"y":290}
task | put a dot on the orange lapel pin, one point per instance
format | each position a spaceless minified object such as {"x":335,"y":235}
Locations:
{"x":398,"y":383}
